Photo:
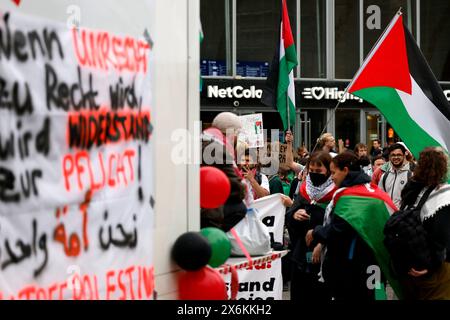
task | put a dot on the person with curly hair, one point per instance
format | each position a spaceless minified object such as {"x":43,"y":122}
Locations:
{"x":431,"y":171}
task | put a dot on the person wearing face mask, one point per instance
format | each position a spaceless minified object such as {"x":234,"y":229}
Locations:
{"x":306,"y":213}
{"x":352,"y":235}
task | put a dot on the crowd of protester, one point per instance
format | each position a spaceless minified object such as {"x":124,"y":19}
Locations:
{"x":337,"y":205}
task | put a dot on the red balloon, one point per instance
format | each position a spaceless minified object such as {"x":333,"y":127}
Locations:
{"x":203,"y":284}
{"x":215,"y":187}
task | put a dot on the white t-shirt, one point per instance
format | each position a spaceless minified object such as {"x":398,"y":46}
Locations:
{"x":250,"y":194}
{"x":265,"y":182}
{"x":333,"y":154}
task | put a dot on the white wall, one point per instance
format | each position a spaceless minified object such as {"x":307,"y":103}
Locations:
{"x":178,"y":106}
{"x":174,"y":28}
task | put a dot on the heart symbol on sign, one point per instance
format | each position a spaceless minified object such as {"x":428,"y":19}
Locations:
{"x":317,"y":92}
{"x":17,"y":2}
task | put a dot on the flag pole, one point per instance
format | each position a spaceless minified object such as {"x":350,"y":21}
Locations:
{"x":356,"y":74}
{"x":288,"y":111}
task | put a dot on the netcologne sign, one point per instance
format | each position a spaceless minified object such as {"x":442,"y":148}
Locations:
{"x":236,"y":92}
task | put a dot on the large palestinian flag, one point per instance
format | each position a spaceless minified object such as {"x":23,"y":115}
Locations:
{"x":280,"y":90}
{"x":374,"y":209}
{"x":396,"y":78}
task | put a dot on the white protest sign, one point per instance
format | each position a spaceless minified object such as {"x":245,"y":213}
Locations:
{"x":76,"y":180}
{"x":271,"y":212}
{"x":252,"y":130}
{"x":263,"y":281}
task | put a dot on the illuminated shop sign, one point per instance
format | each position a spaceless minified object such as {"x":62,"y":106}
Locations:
{"x":321,"y":93}
{"x":237,"y":92}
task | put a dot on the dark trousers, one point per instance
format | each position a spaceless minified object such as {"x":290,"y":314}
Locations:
{"x":306,"y":287}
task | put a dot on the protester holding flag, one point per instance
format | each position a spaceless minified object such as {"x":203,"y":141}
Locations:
{"x":353,"y":233}
{"x":294,"y":166}
{"x":306,"y":213}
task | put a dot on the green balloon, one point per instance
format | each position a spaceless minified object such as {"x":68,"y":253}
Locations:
{"x":220,"y":245}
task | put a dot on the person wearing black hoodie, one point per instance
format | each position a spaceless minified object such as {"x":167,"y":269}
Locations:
{"x":431,"y":172}
{"x":347,"y":256}
{"x":306,"y":213}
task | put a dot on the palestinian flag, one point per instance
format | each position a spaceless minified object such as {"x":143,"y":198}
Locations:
{"x":280,"y":91}
{"x":374,"y":207}
{"x":396,"y":78}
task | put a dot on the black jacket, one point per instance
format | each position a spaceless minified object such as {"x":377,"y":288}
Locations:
{"x":437,"y":226}
{"x":293,"y":187}
{"x":348,"y":257}
{"x":298,"y":229}
{"x":234,"y":209}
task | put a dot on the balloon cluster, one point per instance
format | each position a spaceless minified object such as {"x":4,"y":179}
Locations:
{"x":192,"y":251}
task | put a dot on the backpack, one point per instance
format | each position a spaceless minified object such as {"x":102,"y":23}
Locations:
{"x":407,"y":241}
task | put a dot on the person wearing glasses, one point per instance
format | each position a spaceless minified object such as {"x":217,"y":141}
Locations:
{"x":393,"y":176}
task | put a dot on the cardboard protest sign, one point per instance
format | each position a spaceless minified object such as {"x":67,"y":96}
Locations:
{"x":76,"y":180}
{"x":280,"y":149}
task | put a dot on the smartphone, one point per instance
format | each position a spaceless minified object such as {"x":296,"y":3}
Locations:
{"x":309,"y":257}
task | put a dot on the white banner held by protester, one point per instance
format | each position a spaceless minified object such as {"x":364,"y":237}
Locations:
{"x":271,"y":211}
{"x":252,"y":130}
{"x":76,"y":205}
{"x":263,"y":281}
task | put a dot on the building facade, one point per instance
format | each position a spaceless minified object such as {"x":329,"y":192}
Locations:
{"x":332,"y":38}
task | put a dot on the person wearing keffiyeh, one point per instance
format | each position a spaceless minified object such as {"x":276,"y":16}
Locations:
{"x":352,"y":234}
{"x":306,"y":213}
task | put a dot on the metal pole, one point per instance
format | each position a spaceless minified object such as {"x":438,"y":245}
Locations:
{"x":287,"y":108}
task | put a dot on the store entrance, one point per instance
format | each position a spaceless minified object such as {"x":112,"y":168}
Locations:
{"x":375,"y":127}
{"x":348,"y":127}
{"x":378,"y":128}
{"x":309,"y":126}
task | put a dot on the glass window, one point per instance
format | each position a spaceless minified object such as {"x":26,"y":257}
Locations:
{"x":348,"y":127}
{"x":313,"y":39}
{"x":435,"y":35}
{"x":215,"y":50}
{"x":378,"y":14}
{"x":373,"y":127}
{"x":318,"y":121}
{"x":346,"y":38}
{"x":258,"y":24}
